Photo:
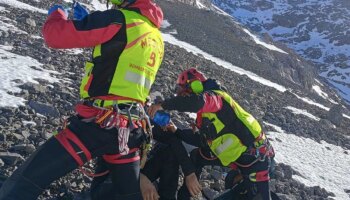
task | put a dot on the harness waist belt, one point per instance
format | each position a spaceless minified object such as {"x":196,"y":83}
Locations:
{"x":133,"y":107}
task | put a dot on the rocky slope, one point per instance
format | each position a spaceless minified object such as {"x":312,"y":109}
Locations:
{"x":47,"y":104}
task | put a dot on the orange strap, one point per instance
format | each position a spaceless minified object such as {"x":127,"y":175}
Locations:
{"x":104,"y":116}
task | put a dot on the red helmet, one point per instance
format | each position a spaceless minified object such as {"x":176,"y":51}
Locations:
{"x":189,"y":76}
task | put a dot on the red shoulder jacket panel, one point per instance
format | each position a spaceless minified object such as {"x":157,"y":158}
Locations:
{"x":96,"y":28}
{"x":213,"y":103}
{"x":61,"y":33}
{"x":204,"y":102}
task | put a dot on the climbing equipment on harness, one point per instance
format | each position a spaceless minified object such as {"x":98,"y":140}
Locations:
{"x":259,"y":176}
{"x":122,"y":117}
{"x":261,"y":149}
{"x":147,"y":144}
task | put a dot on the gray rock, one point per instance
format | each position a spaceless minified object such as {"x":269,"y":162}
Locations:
{"x":217,"y":185}
{"x":34,"y":88}
{"x":3,"y":120}
{"x":44,"y":109}
{"x":10,"y":158}
{"x":31,"y":22}
{"x":2,"y":136}
{"x":25,"y":133}
{"x":286,"y":197}
{"x":18,"y":136}
{"x":335,"y":114}
{"x":216,"y":175}
{"x":210,"y":193}
{"x":27,"y":148}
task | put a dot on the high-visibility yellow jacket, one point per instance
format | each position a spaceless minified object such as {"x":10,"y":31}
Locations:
{"x":128,"y":72}
{"x":226,"y":127}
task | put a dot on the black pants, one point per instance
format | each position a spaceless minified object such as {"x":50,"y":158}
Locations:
{"x":121,"y":183}
{"x":247,"y":190}
{"x":52,"y":161}
{"x":161,"y":165}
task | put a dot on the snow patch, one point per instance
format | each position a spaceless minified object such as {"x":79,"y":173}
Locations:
{"x":28,"y":123}
{"x":321,"y":39}
{"x":74,"y":51}
{"x":97,"y":5}
{"x":311,"y":102}
{"x":165,"y":24}
{"x":343,"y":90}
{"x":16,"y":70}
{"x":319,"y":164}
{"x":21,"y":5}
{"x":319,"y":91}
{"x":302,"y":112}
{"x":346,"y":116}
{"x":322,"y":94}
{"x":200,"y":5}
{"x":220,"y":11}
{"x":192,"y":115}
{"x":7,"y":25}
{"x":258,"y":41}
{"x":35,"y":36}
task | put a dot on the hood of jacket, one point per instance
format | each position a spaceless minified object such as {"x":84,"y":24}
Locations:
{"x":148,"y":9}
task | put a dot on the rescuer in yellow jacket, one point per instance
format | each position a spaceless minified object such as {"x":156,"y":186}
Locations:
{"x":227,"y":134}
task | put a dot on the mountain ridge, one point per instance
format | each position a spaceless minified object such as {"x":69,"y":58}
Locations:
{"x":316,"y":30}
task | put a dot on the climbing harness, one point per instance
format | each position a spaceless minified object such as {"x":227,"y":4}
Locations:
{"x":261,"y":149}
{"x":124,"y":117}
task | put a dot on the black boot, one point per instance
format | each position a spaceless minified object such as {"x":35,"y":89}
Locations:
{"x":48,"y":163}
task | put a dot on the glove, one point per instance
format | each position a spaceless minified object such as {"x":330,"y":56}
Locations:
{"x":79,"y":11}
{"x":56,"y":7}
